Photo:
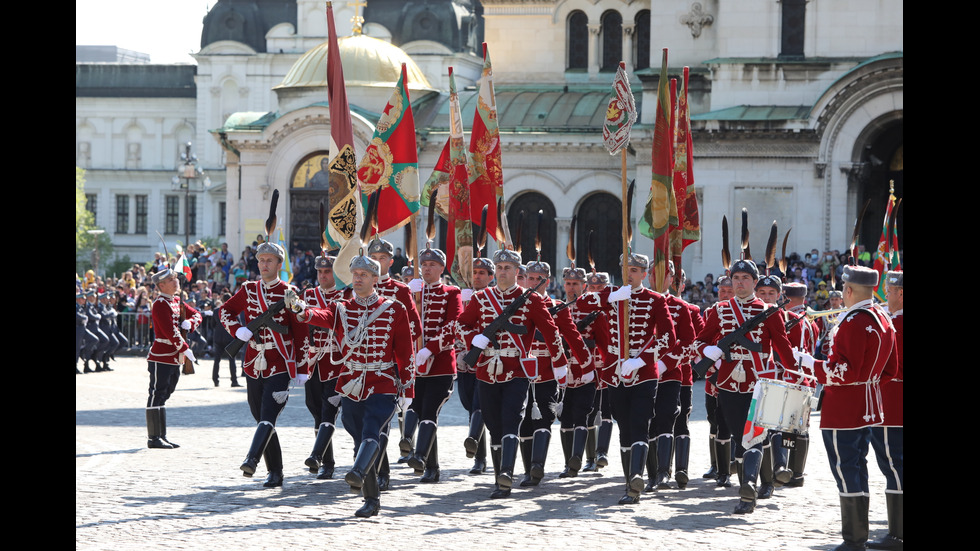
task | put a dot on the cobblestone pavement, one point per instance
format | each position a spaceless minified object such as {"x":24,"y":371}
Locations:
{"x":131,"y":497}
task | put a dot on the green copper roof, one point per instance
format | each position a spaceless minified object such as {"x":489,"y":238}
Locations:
{"x":755,"y":113}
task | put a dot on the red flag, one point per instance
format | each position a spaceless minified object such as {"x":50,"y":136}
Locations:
{"x":688,"y":228}
{"x":486,"y":175}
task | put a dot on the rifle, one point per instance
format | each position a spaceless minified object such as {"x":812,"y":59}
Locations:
{"x":502,"y":322}
{"x":739,"y":337}
{"x":256,"y":325}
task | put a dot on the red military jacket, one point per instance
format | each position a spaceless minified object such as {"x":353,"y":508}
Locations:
{"x":398,"y":291}
{"x":862,"y":355}
{"x":511,"y":360}
{"x":568,"y":331}
{"x":168,"y":345}
{"x":802,"y":336}
{"x":647,"y":333}
{"x":594,"y":339}
{"x":728,"y":316}
{"x":892,"y":391}
{"x":282,"y":353}
{"x":374,"y":346}
{"x":684,"y":331}
{"x":320,"y":343}
{"x":463,"y":337}
{"x":441,"y":306}
{"x":709,"y":389}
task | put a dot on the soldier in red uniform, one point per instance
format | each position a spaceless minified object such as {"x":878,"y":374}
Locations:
{"x":435,"y":362}
{"x":272,"y":359}
{"x":321,"y":390}
{"x":682,"y":434}
{"x":372,"y":334}
{"x":888,"y":440}
{"x":719,"y":435}
{"x":543,"y":399}
{"x":167,"y":354}
{"x":736,"y":377}
{"x":476,"y":442}
{"x":803,"y":336}
{"x":597,"y":444}
{"x":863,"y":354}
{"x":505,"y":370}
{"x":640,"y":331}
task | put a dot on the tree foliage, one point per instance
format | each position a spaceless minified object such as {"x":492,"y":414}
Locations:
{"x":85,"y":242}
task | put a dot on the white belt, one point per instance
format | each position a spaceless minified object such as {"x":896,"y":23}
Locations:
{"x":736,"y":356}
{"x":165,"y":341}
{"x":502,"y":353}
{"x":263,"y":346}
{"x":328,"y":348}
{"x":373,"y":366}
{"x":541,"y":353}
{"x":613,"y":349}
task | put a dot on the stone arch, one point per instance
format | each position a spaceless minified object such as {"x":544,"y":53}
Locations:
{"x":531,"y":202}
{"x":602,"y":213}
{"x":611,"y":40}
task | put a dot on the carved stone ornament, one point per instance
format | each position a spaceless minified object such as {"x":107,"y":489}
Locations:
{"x":696,"y":19}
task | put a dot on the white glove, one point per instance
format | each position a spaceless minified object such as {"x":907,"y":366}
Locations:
{"x":207,"y":313}
{"x":661,"y":367}
{"x":422,"y":357}
{"x":713,"y":352}
{"x":301,"y":379}
{"x":805,"y":359}
{"x":415,"y":285}
{"x":466,"y":294}
{"x":404,"y":403}
{"x":560,"y":372}
{"x":480,"y":341}
{"x":185,"y":325}
{"x":588,"y":377}
{"x":190,"y":356}
{"x":293,"y":302}
{"x":622,"y":293}
{"x":243,"y":334}
{"x":629,"y":366}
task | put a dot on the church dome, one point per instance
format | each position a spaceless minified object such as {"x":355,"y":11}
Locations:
{"x":368,"y":62}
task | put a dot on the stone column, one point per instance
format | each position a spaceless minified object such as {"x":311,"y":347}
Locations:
{"x":595,"y":31}
{"x":628,"y":40}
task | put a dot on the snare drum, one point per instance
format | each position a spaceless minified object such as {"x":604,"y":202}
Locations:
{"x":784,"y":407}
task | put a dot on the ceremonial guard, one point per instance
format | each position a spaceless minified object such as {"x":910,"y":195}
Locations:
{"x":888,"y":440}
{"x":82,"y":336}
{"x":600,"y":434}
{"x":476,"y":442}
{"x":110,"y":326}
{"x":435,"y":363}
{"x":579,"y":398}
{"x":274,"y":356}
{"x":738,"y":371}
{"x":167,"y":353}
{"x":100,"y":346}
{"x":374,"y":343}
{"x":640,"y":331}
{"x":863,"y":354}
{"x":802,"y":335}
{"x":321,"y":389}
{"x":719,"y":435}
{"x":543,"y":399}
{"x":509,"y":316}
{"x":769,"y":289}
{"x":668,"y":405}
{"x":682,"y":434}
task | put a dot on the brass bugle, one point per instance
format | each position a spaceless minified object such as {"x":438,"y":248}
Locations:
{"x":814,"y":314}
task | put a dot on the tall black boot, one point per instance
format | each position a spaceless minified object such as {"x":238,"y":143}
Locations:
{"x":665,"y":449}
{"x":153,"y":431}
{"x":263,"y":432}
{"x":602,"y":443}
{"x":323,"y":435}
{"x":895,"y":538}
{"x":475,"y":434}
{"x":372,"y":494}
{"x":426,"y":435}
{"x":682,"y":456}
{"x":508,"y":457}
{"x":590,"y":450}
{"x":480,"y":461}
{"x":327,"y":465}
{"x":780,"y":461}
{"x":431,"y":474}
{"x":566,"y":449}
{"x":273,"y":462}
{"x":163,"y":428}
{"x":854,"y":522}
{"x":579,"y":438}
{"x":405,"y":445}
{"x":747,"y":492}
{"x":766,"y":474}
{"x":526,"y":448}
{"x":723,"y":451}
{"x":382,"y":468}
{"x":797,"y":461}
{"x":364,"y":464}
{"x":539,"y":453}
{"x":651,"y":466}
{"x":498,"y":491}
{"x":631,"y":497}
{"x":713,"y":451}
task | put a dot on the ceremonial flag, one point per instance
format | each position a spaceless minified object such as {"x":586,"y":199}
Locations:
{"x":344,"y":213}
{"x":620,"y":114}
{"x":390,"y":163}
{"x":486,"y":175}
{"x":688,"y":228}
{"x":753,"y":434}
{"x":887,"y":257}
{"x":661,"y":210}
{"x":286,"y":272}
{"x":184,"y":267}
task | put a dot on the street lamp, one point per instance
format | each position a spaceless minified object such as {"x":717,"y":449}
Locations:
{"x":189,"y":171}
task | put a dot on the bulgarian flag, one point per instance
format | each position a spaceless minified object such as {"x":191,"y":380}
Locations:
{"x":887,"y":256}
{"x":661,"y":210}
{"x":688,"y":228}
{"x":184,"y":267}
{"x":390,"y":163}
{"x":753,"y":434}
{"x":486,"y":174}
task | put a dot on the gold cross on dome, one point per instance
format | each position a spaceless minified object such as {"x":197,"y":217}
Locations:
{"x":358,"y":19}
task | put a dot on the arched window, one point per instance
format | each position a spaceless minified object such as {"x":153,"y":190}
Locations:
{"x":531,"y":203}
{"x":642,"y":40}
{"x":578,"y":40}
{"x":612,"y":40}
{"x":601,"y":213}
